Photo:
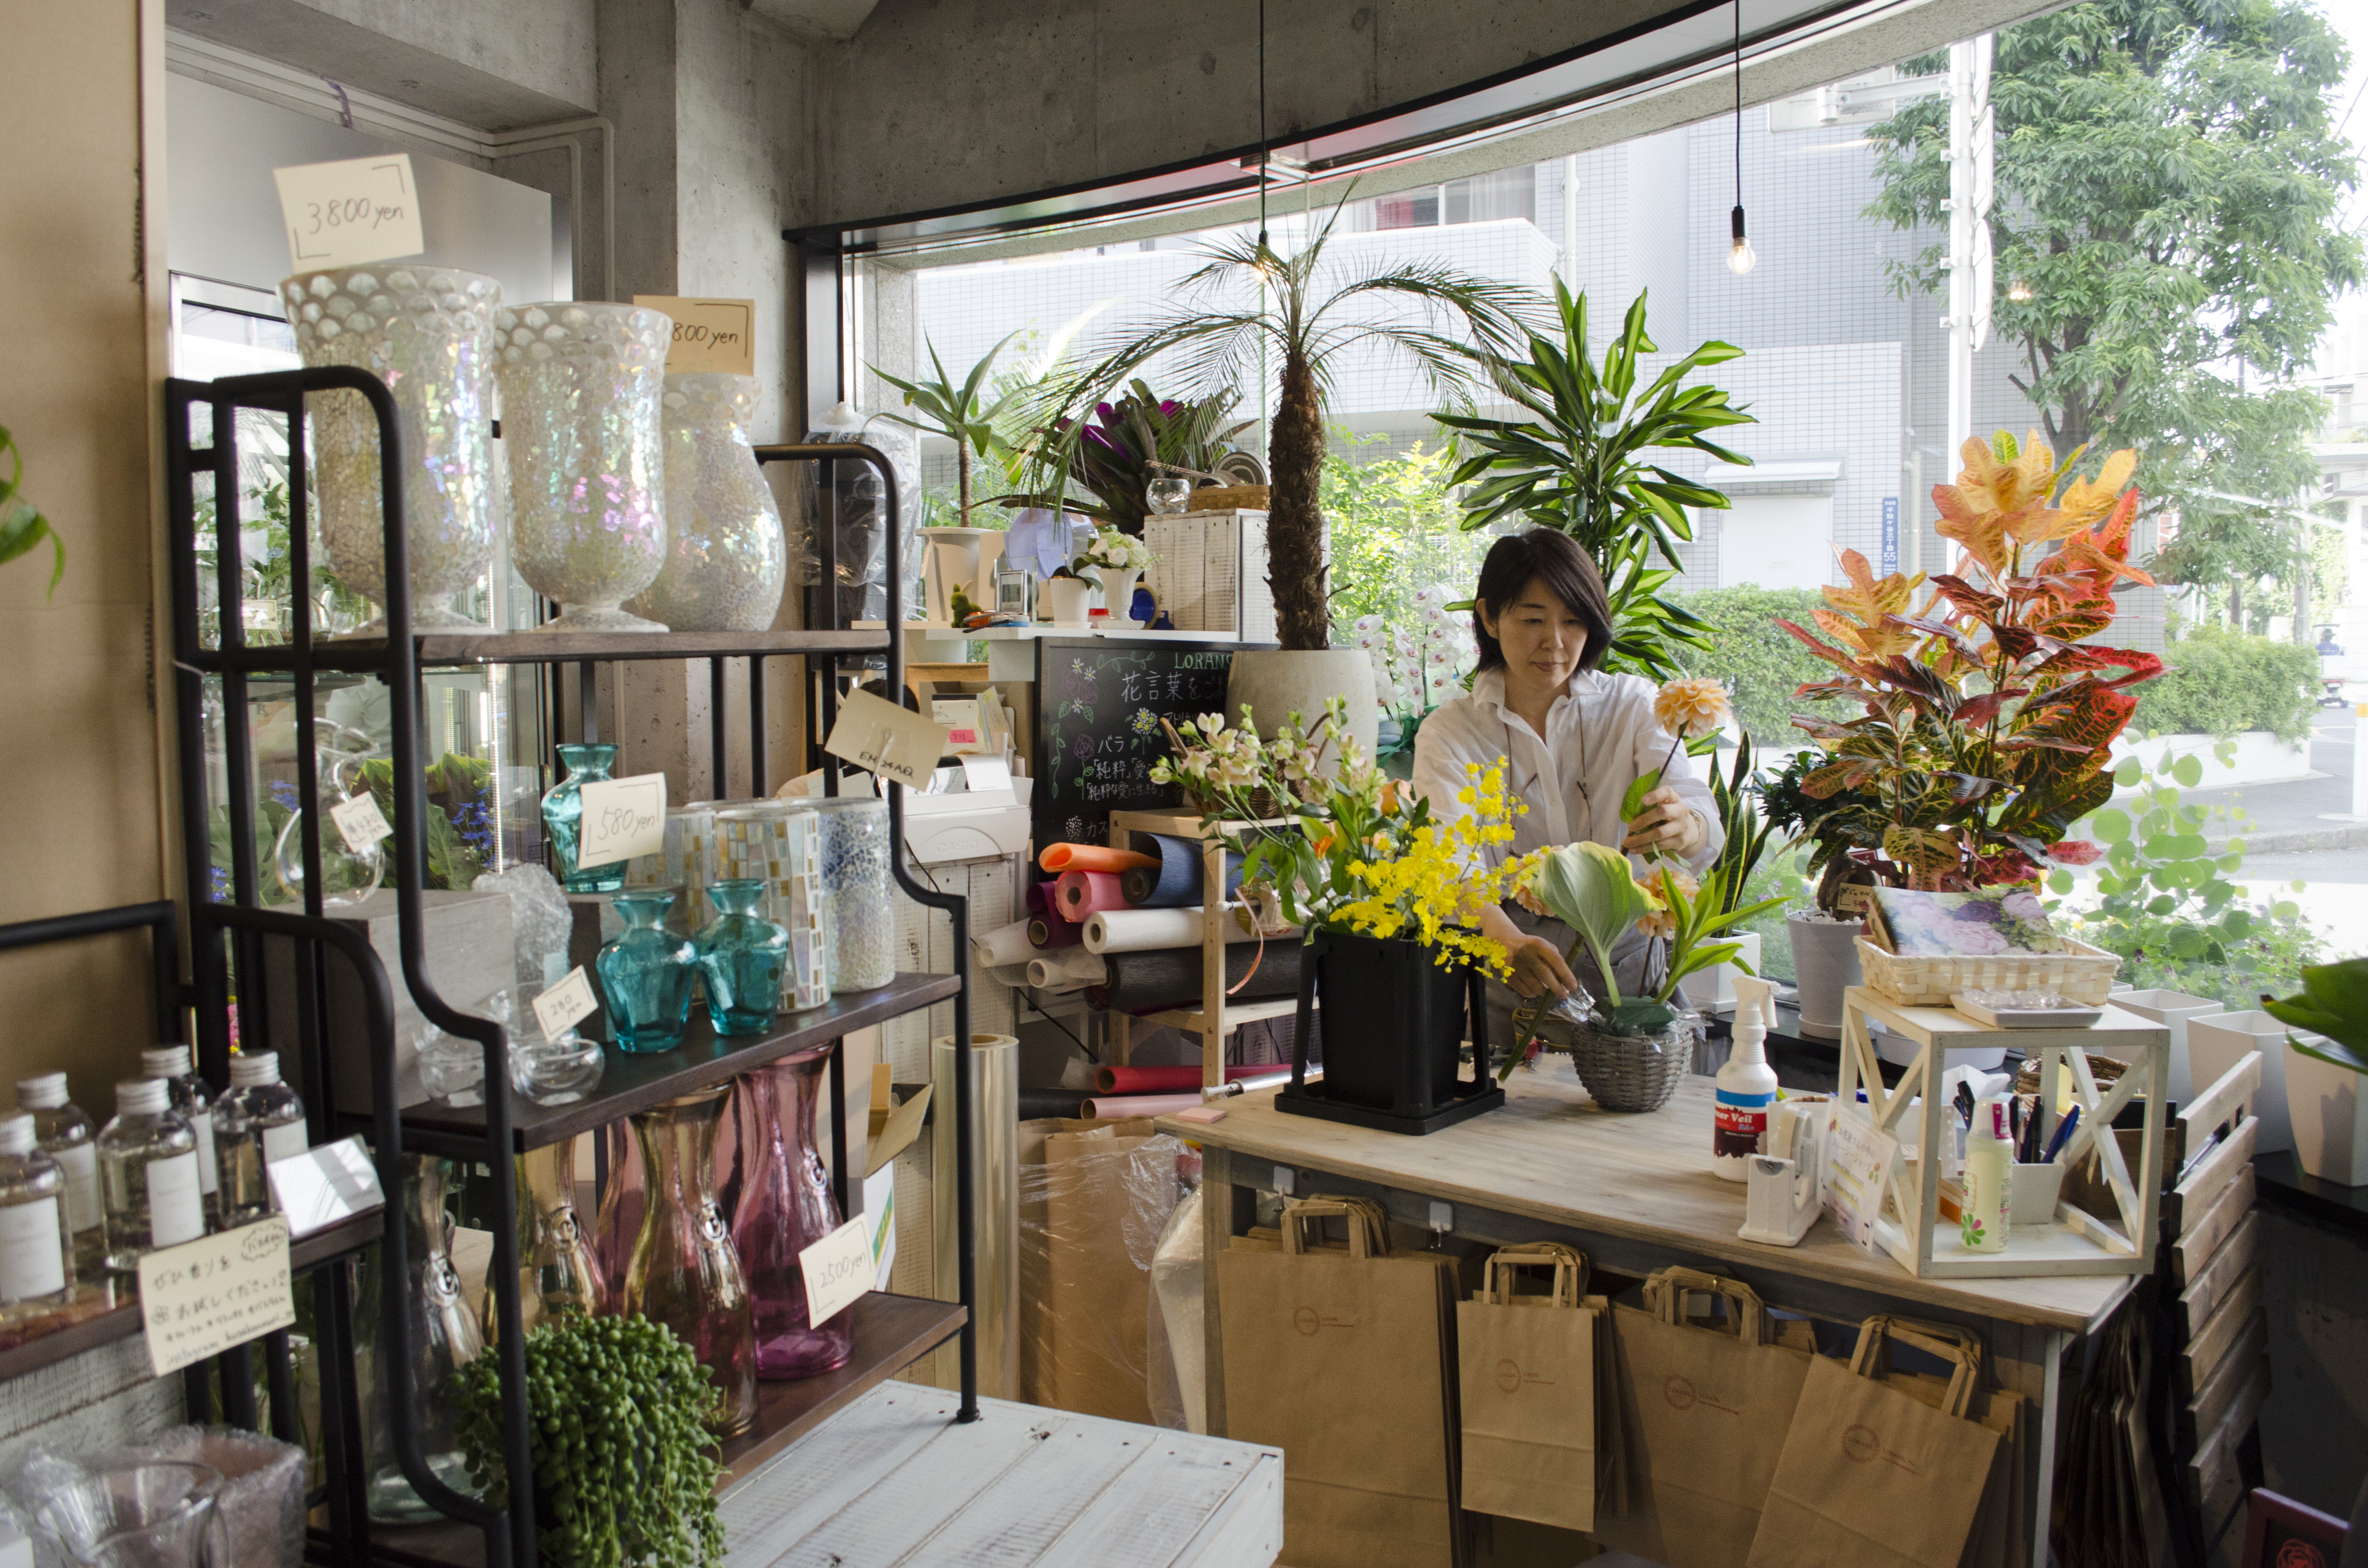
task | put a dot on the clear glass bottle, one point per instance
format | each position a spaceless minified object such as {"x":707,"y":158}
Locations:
{"x":193,"y":1097}
{"x":64,"y":1132}
{"x":685,"y":1272}
{"x":444,"y":1338}
{"x":148,"y":1175}
{"x":258,"y":1120}
{"x":36,"y":1267}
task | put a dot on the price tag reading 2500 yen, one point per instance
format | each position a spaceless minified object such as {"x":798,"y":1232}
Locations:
{"x":839,"y":1270}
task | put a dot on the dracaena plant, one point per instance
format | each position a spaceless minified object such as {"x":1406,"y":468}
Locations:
{"x":1987,"y":721}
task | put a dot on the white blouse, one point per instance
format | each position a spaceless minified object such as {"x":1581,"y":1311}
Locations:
{"x":1600,"y":737}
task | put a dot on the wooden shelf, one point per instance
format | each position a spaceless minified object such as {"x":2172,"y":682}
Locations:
{"x":109,"y":1311}
{"x":634,"y":1081}
{"x":891,"y":1333}
{"x":450,"y":649}
{"x":1236,"y":1013}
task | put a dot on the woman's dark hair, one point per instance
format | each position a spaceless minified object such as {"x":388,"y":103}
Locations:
{"x":1543,"y":556}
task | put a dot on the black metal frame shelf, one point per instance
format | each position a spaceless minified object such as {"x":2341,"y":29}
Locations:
{"x":235,"y":924}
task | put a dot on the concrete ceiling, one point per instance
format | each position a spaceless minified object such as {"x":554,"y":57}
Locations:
{"x":815,"y":19}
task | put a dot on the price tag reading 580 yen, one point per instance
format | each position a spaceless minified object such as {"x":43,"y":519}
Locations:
{"x":359,"y":821}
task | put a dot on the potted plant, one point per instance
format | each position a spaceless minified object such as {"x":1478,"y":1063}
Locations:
{"x":624,"y":1471}
{"x":1063,"y":596}
{"x":1577,"y":464}
{"x":1118,"y":559}
{"x":2324,"y":1081}
{"x":965,"y":414}
{"x":1248,"y":306}
{"x":1748,"y":839}
{"x":1113,"y":455}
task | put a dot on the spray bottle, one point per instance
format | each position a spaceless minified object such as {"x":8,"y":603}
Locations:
{"x":1746,"y":1085}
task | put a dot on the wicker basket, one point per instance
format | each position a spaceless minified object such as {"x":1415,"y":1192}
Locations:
{"x":1624,"y":1073}
{"x":1230,"y":498}
{"x":2081,"y":972}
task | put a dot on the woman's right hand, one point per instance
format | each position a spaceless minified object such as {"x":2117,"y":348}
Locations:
{"x":1538,"y":967}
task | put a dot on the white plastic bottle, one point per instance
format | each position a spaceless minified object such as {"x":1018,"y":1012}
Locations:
{"x":148,"y":1175}
{"x":64,"y":1131}
{"x":193,"y":1097}
{"x":1745,"y":1090}
{"x":37,"y":1272}
{"x":1989,"y":1179}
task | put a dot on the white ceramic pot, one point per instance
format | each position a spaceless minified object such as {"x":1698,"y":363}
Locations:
{"x":1118,"y":592}
{"x":1824,"y":964}
{"x":2218,"y":1041}
{"x":1275,"y":685}
{"x":1715,"y":986}
{"x":951,"y":563}
{"x":2330,"y":1118}
{"x":2172,"y":1009}
{"x":1064,"y":598}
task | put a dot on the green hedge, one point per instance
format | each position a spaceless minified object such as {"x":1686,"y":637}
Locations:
{"x":2223,"y":683}
{"x":1760,"y":662}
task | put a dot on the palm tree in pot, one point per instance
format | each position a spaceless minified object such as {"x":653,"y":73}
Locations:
{"x":1248,"y":308}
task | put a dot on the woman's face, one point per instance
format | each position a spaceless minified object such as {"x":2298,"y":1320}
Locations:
{"x":1542,"y":638}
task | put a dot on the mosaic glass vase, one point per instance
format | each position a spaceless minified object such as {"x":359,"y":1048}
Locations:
{"x":726,"y":557}
{"x":859,"y":915}
{"x":645,"y":974}
{"x":580,"y":385}
{"x":563,"y":817}
{"x":742,"y":956}
{"x":785,"y":1207}
{"x":428,"y":333}
{"x":685,"y":1273}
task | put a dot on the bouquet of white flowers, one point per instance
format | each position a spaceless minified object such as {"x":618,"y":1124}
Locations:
{"x":1118,"y":551}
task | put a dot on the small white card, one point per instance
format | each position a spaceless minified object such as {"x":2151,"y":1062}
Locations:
{"x":839,"y":1270}
{"x":718,"y":335}
{"x":981,"y":774}
{"x":880,"y":737}
{"x":359,"y":821}
{"x":345,"y":214}
{"x":622,"y":818}
{"x":323,"y":1186}
{"x":560,"y":1007}
{"x":201,"y":1298}
{"x":1858,"y":1165}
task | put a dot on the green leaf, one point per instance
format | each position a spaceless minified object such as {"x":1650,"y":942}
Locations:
{"x":2110,"y":825}
{"x":22,"y":528}
{"x":2189,"y":771}
{"x":2128,"y":774}
{"x":1632,"y":801}
{"x":2060,"y":880}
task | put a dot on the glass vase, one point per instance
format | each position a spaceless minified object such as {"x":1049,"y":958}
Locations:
{"x":428,"y":333}
{"x":685,"y":1273}
{"x":742,"y":955}
{"x":559,"y":1271}
{"x":562,"y":816}
{"x":444,"y":1338}
{"x":726,"y":558}
{"x":645,"y":974}
{"x":348,"y":876}
{"x":580,"y":385}
{"x":623,"y":1202}
{"x":785,"y":1207}
{"x":859,"y":915}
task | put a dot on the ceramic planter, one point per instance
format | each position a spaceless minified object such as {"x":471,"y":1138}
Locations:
{"x":1063,"y":599}
{"x":2330,"y":1118}
{"x":2172,"y":1009}
{"x":1824,"y":964}
{"x":1716,"y":984}
{"x":1118,"y":592}
{"x":951,"y":561}
{"x":2218,"y":1041}
{"x":1276,"y":684}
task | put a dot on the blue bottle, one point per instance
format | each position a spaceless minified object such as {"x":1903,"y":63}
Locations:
{"x":645,"y":974}
{"x":563,"y":815}
{"x":742,"y":954}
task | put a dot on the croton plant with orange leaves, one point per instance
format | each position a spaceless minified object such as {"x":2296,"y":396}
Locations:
{"x":1988,"y":720}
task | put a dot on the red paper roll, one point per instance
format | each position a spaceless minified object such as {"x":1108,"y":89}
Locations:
{"x":1169,"y":1080}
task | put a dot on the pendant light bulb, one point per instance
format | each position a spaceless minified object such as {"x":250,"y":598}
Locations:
{"x":1740,"y":257}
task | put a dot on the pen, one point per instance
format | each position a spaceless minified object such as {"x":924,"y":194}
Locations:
{"x":2063,"y":1135}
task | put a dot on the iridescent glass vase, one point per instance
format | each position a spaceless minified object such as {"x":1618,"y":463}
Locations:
{"x":726,"y":556}
{"x":685,"y":1273}
{"x":742,"y":955}
{"x":645,"y":974}
{"x":563,"y":817}
{"x":428,"y":333}
{"x":785,"y":1207}
{"x":580,"y":385}
{"x":559,"y":1270}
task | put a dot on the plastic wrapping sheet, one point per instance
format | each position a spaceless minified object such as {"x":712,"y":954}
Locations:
{"x":1095,"y":1200}
{"x":260,"y":1510}
{"x":541,"y":921}
{"x":859,"y":506}
{"x":1177,"y":1352}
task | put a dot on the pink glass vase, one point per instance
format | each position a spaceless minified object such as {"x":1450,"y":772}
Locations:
{"x":685,"y":1274}
{"x":785,"y":1207}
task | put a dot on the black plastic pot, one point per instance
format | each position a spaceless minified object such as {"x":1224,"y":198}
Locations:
{"x":1394,"y":1027}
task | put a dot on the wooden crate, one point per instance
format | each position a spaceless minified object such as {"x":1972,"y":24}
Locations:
{"x":2074,"y":1242}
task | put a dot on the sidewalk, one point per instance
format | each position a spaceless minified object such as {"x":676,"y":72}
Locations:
{"x":2289,"y":819}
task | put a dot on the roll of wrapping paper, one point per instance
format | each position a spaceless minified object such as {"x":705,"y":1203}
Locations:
{"x":1059,"y":857}
{"x":1081,"y":893}
{"x":1142,"y":930}
{"x":1052,"y":931}
{"x":1004,"y":945}
{"x":1172,"y":1080}
{"x":1066,"y":969}
{"x":1176,"y":881}
{"x":1037,"y":1104}
{"x":1040,"y":898}
{"x":1122,"y":1108}
{"x":1146,"y":983}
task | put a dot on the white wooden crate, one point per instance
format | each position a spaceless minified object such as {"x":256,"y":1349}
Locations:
{"x":1209,"y":572}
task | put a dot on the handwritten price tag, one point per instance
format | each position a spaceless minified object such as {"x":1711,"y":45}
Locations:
{"x":359,"y":821}
{"x":719,"y":335}
{"x":345,"y":214}
{"x":201,"y":1298}
{"x":837,"y":1269}
{"x":622,"y":818}
{"x":560,"y":1007}
{"x":875,"y":734}
{"x":1858,"y":1165}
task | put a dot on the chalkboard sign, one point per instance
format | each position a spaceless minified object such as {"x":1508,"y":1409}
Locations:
{"x":1099,"y":704}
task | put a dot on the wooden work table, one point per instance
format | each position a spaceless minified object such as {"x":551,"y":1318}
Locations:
{"x":1636,"y":1192}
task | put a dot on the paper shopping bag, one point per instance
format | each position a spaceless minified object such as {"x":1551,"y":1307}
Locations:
{"x":1874,"y":1475}
{"x":1704,"y":1411}
{"x":1343,"y":1357}
{"x":2004,"y":1519}
{"x":1526,"y":1390}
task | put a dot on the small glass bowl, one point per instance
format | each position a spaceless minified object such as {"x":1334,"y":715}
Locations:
{"x":1167,"y":494}
{"x":558,"y":1072}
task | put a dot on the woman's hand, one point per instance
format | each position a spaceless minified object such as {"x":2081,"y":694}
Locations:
{"x":1538,"y":967}
{"x":1664,"y":826}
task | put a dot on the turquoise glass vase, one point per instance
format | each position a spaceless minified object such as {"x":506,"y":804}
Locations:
{"x":562,"y":816}
{"x":742,"y":955}
{"x":645,"y":974}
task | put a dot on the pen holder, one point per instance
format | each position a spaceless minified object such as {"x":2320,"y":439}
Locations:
{"x":2036,"y":1189}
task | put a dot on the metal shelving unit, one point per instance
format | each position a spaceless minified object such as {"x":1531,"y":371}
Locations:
{"x":227,"y":936}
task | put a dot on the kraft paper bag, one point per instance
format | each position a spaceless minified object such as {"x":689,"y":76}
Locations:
{"x":2005,"y":1515}
{"x":1343,"y":1357}
{"x":1874,"y":1475}
{"x":1705,"y":1412}
{"x":1528,"y":1392}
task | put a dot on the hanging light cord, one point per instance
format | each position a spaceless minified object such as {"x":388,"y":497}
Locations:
{"x":1738,"y":101}
{"x":1262,"y":152}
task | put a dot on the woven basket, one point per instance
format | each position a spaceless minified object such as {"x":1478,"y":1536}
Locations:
{"x":1624,"y":1072}
{"x":2081,"y":972}
{"x":1230,"y":498}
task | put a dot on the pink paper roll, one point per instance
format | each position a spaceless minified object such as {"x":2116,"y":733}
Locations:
{"x":1118,"y":1108}
{"x":1089,"y":892}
